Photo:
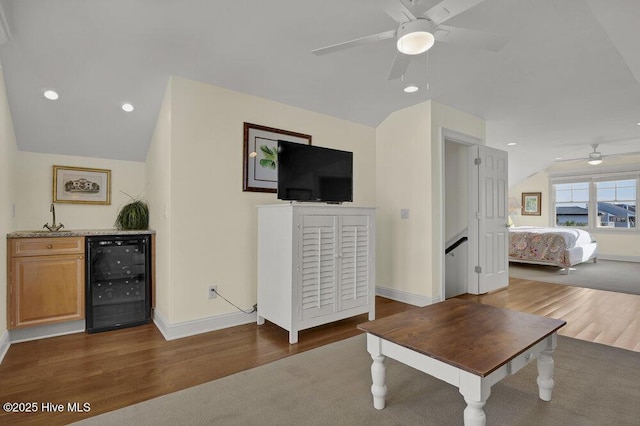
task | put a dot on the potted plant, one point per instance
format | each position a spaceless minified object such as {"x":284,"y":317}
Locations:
{"x":134,"y":215}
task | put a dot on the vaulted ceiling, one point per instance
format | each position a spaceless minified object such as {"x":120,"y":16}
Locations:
{"x":568,"y":77}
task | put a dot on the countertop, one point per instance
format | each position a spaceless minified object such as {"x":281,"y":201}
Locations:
{"x":76,"y":233}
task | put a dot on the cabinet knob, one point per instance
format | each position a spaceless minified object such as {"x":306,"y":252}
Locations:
{"x":49,"y":246}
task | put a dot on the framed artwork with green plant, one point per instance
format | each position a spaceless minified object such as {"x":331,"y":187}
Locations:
{"x":260,"y":156}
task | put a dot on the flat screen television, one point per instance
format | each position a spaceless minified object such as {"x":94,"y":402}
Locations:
{"x":313,"y":173}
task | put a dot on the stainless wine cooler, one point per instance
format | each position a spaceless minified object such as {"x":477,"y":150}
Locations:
{"x":118,"y":278}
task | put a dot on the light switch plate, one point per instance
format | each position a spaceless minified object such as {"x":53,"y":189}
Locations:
{"x":404,"y":213}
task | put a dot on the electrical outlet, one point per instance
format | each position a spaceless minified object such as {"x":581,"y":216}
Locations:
{"x":213,"y":291}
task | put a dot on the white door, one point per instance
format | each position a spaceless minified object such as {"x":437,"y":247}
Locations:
{"x":493,"y":232}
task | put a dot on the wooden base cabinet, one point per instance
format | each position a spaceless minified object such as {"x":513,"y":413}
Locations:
{"x":46,"y":280}
{"x":316,"y":264}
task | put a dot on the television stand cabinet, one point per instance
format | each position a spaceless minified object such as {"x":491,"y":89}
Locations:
{"x":316,"y":264}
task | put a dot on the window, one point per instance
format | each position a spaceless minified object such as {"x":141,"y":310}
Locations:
{"x":616,"y":203}
{"x":572,"y":204}
{"x":602,"y":202}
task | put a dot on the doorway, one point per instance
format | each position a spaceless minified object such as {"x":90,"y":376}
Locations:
{"x":457,"y":204}
{"x":456,"y":217}
{"x":474,"y":216}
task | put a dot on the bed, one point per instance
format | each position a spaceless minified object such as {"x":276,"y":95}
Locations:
{"x":563,"y":247}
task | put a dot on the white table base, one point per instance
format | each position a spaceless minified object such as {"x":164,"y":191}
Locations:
{"x":475,"y":389}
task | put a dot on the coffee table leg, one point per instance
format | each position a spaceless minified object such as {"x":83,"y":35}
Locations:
{"x":545,"y":374}
{"x":378,"y":389}
{"x":473,"y":414}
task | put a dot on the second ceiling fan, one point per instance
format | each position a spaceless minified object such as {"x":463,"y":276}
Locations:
{"x":419,"y":27}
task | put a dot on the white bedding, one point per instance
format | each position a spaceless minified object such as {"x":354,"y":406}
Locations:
{"x":558,"y":246}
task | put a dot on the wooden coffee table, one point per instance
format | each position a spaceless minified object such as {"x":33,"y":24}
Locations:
{"x":467,"y":344}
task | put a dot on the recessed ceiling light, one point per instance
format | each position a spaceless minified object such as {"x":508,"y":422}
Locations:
{"x":512,"y":143}
{"x":51,"y":95}
{"x":411,"y":88}
{"x":127,"y":107}
{"x":558,"y":158}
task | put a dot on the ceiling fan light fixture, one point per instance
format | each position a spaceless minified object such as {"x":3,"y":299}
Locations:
{"x":415,"y":37}
{"x":595,"y":158}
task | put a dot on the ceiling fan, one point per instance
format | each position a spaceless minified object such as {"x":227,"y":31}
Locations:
{"x":420,"y":26}
{"x":595,"y":157}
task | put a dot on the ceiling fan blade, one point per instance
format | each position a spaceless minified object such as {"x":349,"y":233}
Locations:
{"x":621,"y":154}
{"x":398,"y":11}
{"x":357,"y":42}
{"x":470,"y":38}
{"x":419,"y":7}
{"x":399,"y":66}
{"x":602,"y":156}
{"x":447,"y":9}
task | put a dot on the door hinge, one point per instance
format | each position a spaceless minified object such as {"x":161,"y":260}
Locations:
{"x":478,"y":269}
{"x":477,"y":161}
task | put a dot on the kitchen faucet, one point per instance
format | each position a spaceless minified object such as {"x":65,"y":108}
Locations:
{"x":53,"y":227}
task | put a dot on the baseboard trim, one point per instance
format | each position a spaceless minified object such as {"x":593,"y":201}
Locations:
{"x":172,"y":331}
{"x":5,"y":342}
{"x":619,"y":258}
{"x":405,"y":297}
{"x":45,"y":331}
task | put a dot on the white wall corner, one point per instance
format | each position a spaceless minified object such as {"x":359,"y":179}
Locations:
{"x":5,"y":342}
{"x":405,"y":297}
{"x":5,"y":31}
{"x":172,"y":331}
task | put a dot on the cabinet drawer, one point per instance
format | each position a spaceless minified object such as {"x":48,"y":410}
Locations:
{"x":46,"y":246}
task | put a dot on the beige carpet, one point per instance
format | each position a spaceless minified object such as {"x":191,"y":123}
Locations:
{"x":609,"y":275}
{"x":595,"y":385}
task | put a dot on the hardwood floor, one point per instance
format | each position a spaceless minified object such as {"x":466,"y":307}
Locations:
{"x":114,"y":369}
{"x":119,"y":368}
{"x":597,"y":316}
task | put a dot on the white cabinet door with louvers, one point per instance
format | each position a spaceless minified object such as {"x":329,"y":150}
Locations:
{"x":317,"y":265}
{"x":354,"y":258}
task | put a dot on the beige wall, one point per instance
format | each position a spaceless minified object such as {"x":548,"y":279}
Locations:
{"x":403,"y":181}
{"x":33,"y":186}
{"x":409,"y":175}
{"x":7,"y":161}
{"x":536,"y":183}
{"x":611,"y":244}
{"x":158,"y":177}
{"x":212,"y":222}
